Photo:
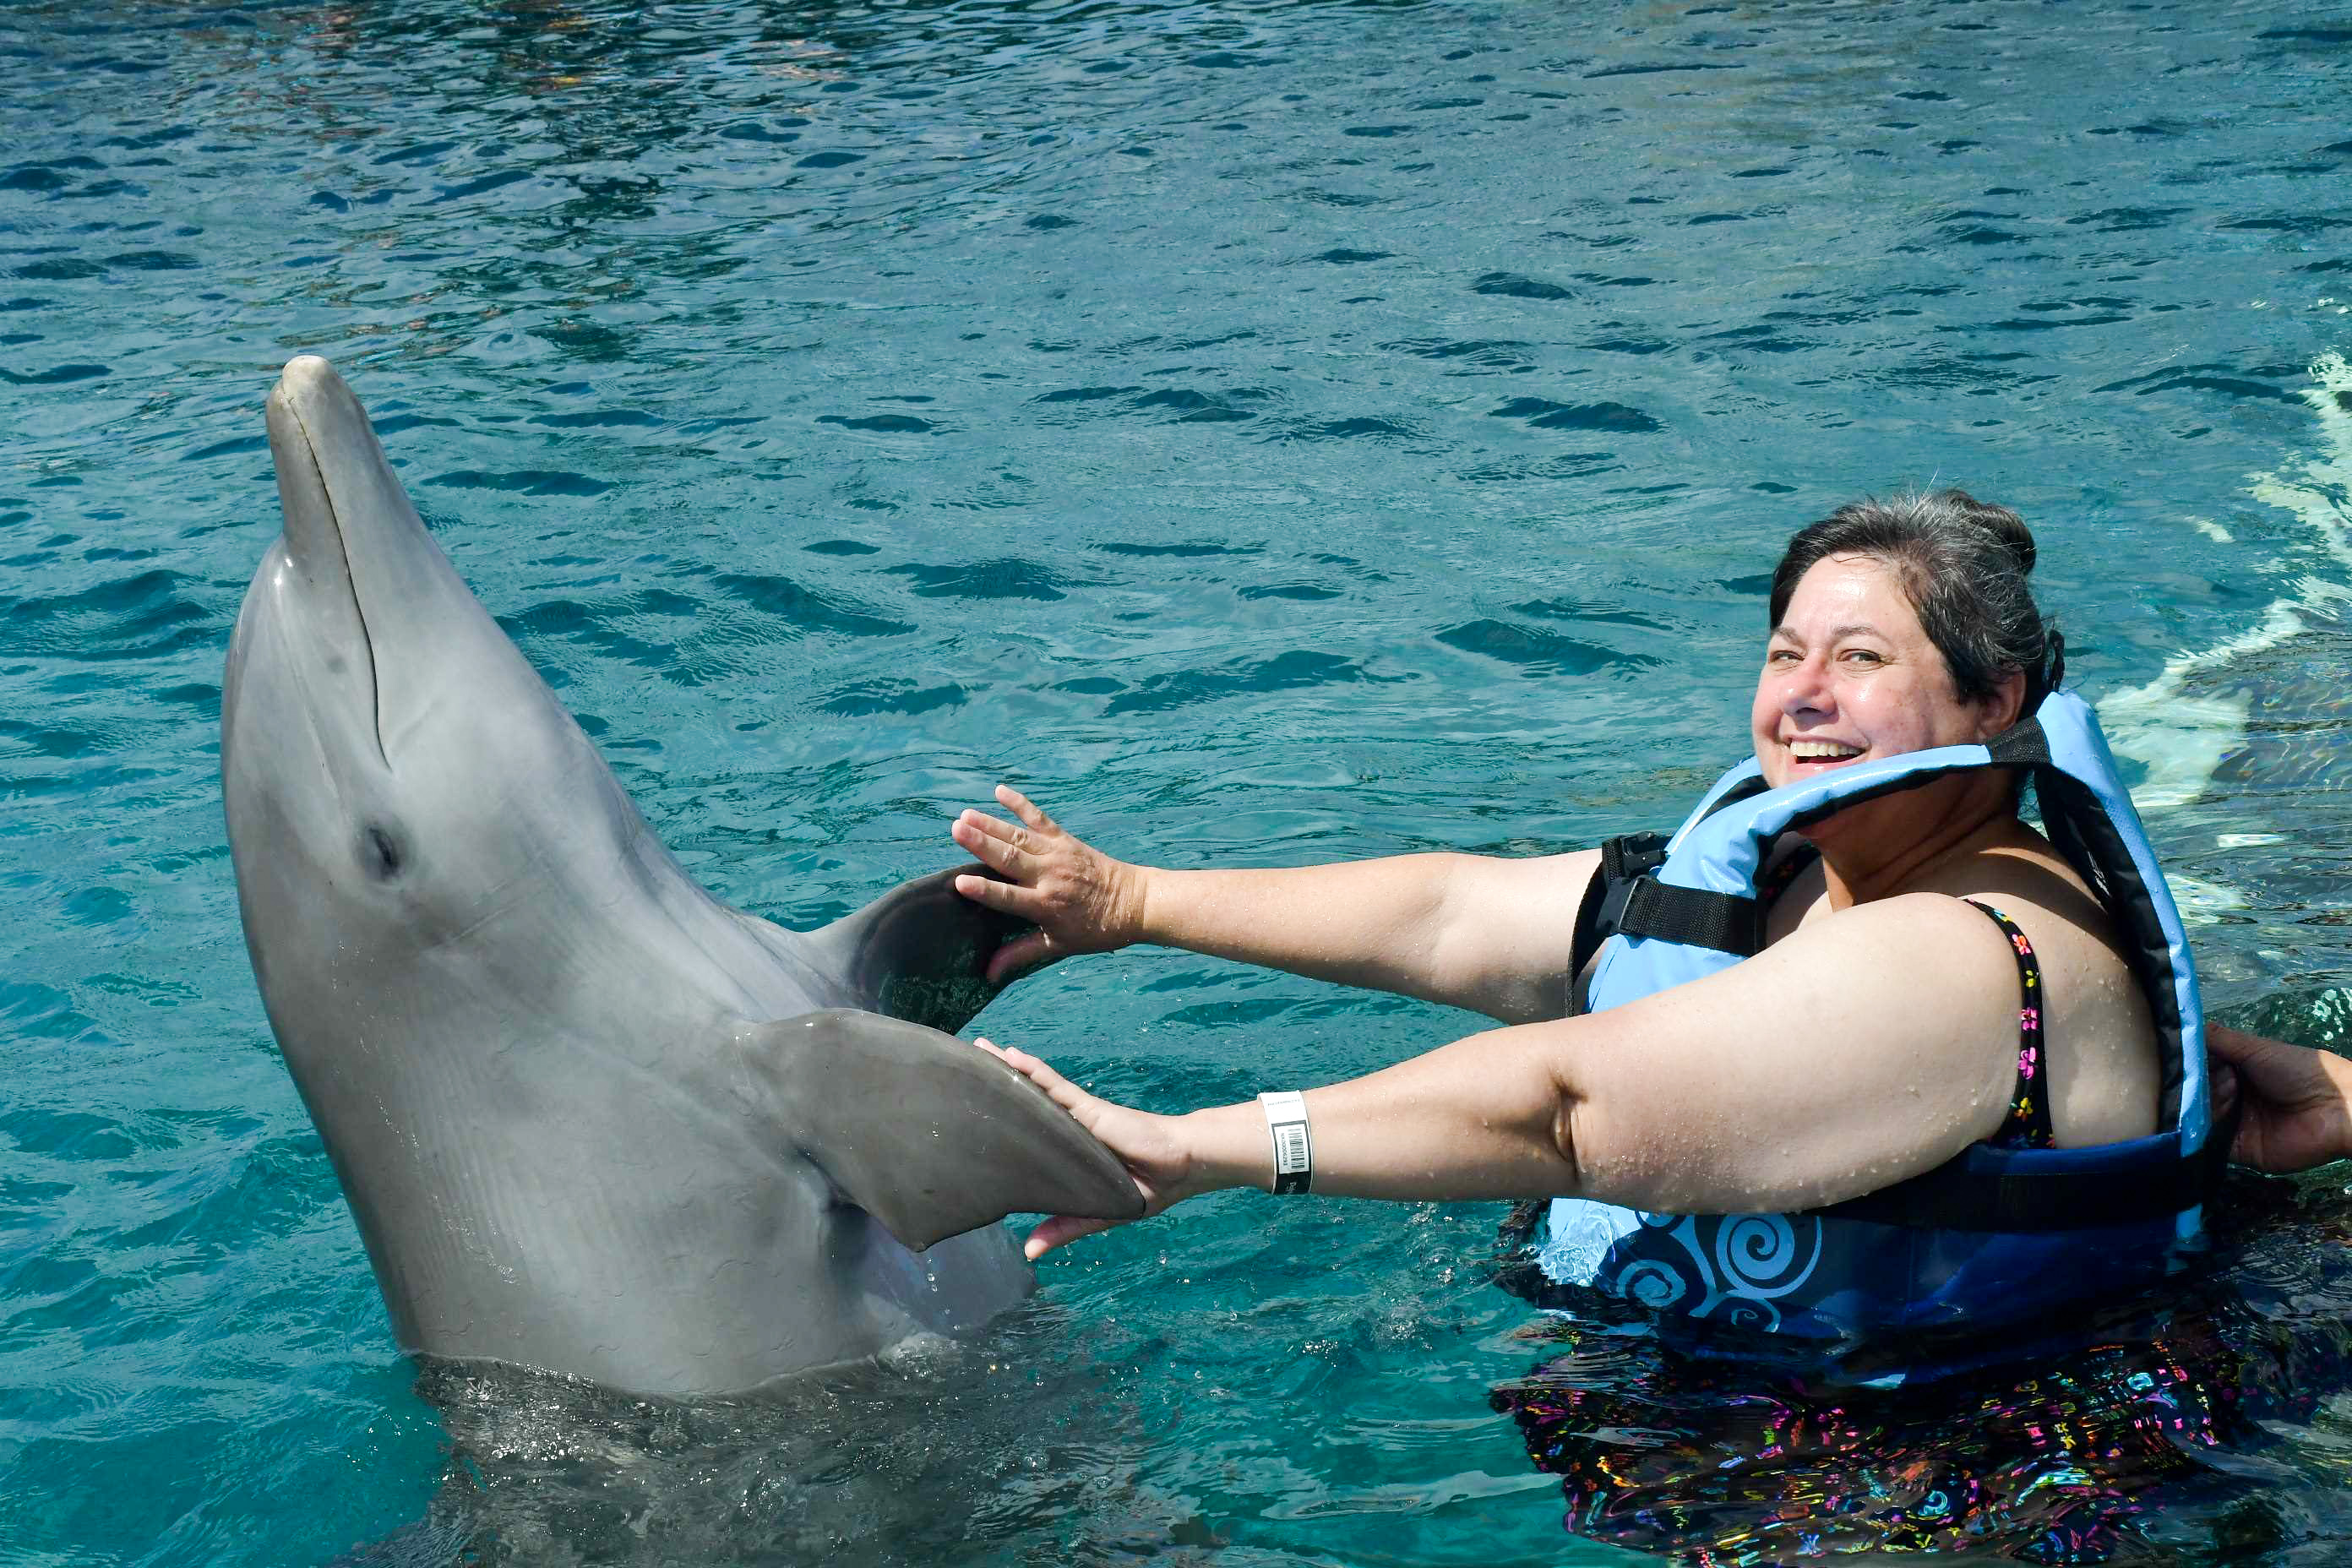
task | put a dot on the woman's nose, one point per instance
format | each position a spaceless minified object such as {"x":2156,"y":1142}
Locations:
{"x":1805,"y":687}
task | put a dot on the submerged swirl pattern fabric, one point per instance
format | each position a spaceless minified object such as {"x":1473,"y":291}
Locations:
{"x":1735,"y":1268}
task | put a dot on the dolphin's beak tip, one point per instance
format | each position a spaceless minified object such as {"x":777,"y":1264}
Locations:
{"x":304,"y":372}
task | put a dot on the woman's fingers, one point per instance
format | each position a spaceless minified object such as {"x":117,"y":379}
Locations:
{"x":1058,"y":1090}
{"x":1018,"y":853}
{"x":1139,"y":1141}
{"x":994,"y":844}
{"x":1081,"y":898}
{"x":1021,"y":806}
{"x":1084,"y":1108}
{"x":993,"y":827}
{"x":1011,"y":897}
{"x":1059,"y":1231}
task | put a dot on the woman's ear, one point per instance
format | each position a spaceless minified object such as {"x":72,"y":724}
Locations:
{"x":2004,"y":705}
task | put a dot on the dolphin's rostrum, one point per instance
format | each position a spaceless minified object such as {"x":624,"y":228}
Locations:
{"x":589,"y":1119}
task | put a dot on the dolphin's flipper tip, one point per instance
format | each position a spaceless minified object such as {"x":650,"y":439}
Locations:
{"x":931,"y":1135}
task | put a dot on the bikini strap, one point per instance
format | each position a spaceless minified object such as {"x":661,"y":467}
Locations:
{"x":2027,"y":1125}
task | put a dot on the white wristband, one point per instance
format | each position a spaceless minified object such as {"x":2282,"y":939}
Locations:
{"x":1294,"y":1149}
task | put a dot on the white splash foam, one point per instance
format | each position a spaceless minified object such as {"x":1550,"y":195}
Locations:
{"x":2182,"y":740}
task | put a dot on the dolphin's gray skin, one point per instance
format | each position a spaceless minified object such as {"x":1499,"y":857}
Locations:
{"x":588,"y":1118}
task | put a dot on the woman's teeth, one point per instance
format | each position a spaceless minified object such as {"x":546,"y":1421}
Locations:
{"x":1822,"y":751}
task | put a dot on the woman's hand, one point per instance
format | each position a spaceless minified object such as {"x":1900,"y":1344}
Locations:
{"x":1079,"y":899}
{"x":2296,"y":1103}
{"x":1153,"y":1149}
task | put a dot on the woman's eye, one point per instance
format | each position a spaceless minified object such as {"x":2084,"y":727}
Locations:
{"x":1780,"y":655}
{"x":1862,"y":655}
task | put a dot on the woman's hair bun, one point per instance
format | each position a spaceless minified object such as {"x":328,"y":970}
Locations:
{"x":1999,"y":521}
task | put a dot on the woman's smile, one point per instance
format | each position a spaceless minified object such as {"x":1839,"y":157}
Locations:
{"x":1814,"y":754}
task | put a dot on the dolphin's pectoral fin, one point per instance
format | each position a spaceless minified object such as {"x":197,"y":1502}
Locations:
{"x":920,"y":950}
{"x":928,"y":1134}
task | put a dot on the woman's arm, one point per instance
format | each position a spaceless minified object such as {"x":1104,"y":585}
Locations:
{"x":1832,"y":1064}
{"x":1490,"y":934}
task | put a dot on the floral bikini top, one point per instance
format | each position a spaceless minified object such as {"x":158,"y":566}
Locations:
{"x":2027,"y":1125}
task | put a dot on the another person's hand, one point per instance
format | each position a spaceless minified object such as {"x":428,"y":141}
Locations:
{"x":2296,"y":1103}
{"x":1079,"y":899}
{"x":1152,"y":1148}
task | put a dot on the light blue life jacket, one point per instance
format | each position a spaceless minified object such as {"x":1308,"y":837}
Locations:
{"x":1994,"y":1235}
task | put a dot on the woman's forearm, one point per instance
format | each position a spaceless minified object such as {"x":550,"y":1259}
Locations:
{"x":1468,"y":930}
{"x":1354,"y":921}
{"x":1486,"y":1117}
{"x":1480,"y":931}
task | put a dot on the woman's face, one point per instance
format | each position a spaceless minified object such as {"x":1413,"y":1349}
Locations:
{"x":1848,"y":674}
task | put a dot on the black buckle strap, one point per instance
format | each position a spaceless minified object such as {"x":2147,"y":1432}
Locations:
{"x":1632,"y":854}
{"x":1625,"y":864}
{"x":1622,"y":859}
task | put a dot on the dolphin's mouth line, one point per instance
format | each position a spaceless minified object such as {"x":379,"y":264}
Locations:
{"x":352,"y":587}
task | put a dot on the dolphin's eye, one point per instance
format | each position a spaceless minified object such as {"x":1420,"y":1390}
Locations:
{"x":380,"y":852}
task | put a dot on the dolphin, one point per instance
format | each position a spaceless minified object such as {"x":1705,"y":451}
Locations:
{"x":589,"y":1119}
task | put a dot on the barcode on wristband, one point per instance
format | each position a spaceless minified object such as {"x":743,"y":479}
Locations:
{"x":1294,"y":1149}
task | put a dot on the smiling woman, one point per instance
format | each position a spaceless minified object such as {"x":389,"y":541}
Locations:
{"x":1789,"y":1069}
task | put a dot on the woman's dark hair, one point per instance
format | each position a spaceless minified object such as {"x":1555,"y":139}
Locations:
{"x":1962,"y":564}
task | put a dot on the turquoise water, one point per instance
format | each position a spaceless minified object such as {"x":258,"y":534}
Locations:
{"x":1266,"y":432}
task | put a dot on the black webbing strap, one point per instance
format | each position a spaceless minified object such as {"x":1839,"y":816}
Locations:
{"x":2023,"y":744}
{"x":1953,"y":1196}
{"x":1727,"y":922}
{"x":1625,"y":897}
{"x":1588,"y":937}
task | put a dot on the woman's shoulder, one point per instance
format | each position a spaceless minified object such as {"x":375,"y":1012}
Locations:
{"x":2071,"y":935}
{"x":2101,"y":1030}
{"x":2030,"y":882}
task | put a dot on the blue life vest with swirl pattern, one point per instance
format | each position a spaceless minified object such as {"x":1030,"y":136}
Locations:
{"x":1995,"y":1235}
